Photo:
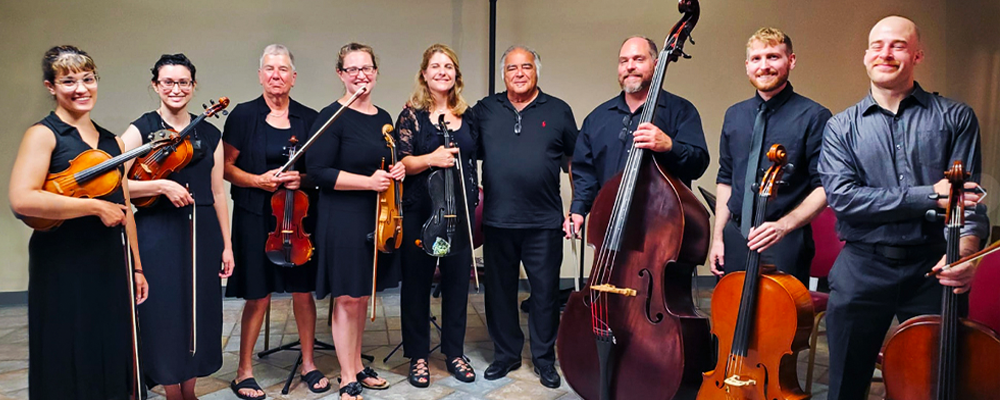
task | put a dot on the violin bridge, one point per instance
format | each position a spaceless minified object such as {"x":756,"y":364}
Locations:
{"x":613,"y":289}
{"x":287,"y":232}
{"x":738,"y":381}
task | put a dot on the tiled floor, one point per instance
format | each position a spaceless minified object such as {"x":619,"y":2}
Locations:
{"x":380,"y":338}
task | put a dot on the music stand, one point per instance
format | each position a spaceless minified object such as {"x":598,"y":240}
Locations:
{"x":296,"y":346}
{"x":709,"y":199}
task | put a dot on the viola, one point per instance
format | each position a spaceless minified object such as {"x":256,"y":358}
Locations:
{"x":762,"y":318}
{"x":633,"y":332}
{"x":172,"y":157}
{"x":289,"y":244}
{"x":92,"y":174}
{"x":943,"y":357}
{"x":440,"y":231}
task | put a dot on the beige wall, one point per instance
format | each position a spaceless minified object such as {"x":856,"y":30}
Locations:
{"x":578,"y":41}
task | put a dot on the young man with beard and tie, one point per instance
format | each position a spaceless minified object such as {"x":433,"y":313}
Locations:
{"x":776,"y":114}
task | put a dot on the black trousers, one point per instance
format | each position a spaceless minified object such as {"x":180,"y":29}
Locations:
{"x":793,"y":254}
{"x":415,"y":295}
{"x":867,"y":289}
{"x":540,"y":250}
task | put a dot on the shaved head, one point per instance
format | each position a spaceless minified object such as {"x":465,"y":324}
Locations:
{"x":894,"y":50}
{"x":900,"y":25}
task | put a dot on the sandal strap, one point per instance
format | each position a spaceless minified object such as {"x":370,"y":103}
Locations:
{"x":462,"y":362}
{"x":366,"y":373}
{"x":352,"y":389}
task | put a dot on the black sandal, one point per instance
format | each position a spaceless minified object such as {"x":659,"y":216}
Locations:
{"x":461,"y":369}
{"x":248,"y":383}
{"x":419,"y":370}
{"x":352,"y":389}
{"x":312,"y":378}
{"x":366,"y":373}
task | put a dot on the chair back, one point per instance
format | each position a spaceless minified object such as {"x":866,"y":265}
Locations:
{"x":828,"y":245}
{"x":984,"y":298}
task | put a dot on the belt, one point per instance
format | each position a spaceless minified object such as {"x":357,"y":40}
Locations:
{"x":735,"y":218}
{"x":901,"y":252}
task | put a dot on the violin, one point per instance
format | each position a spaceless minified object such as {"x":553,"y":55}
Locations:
{"x":438,"y":235}
{"x":943,"y":357}
{"x":289,"y":244}
{"x":389,"y":221}
{"x":91,"y":174}
{"x":172,"y":157}
{"x":388,"y":216}
{"x":633,"y":332}
{"x":762,"y":318}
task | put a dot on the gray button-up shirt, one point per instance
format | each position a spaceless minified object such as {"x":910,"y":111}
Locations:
{"x":878,"y":168}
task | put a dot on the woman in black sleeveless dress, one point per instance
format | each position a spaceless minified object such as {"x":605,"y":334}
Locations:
{"x":421,"y":147}
{"x":346,"y":165}
{"x":79,"y":324}
{"x":164,"y":228}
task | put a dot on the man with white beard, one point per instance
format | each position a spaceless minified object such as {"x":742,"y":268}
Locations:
{"x":609,"y":133}
{"x":774,"y":115}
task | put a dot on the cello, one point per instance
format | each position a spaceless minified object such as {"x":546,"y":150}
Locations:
{"x":762,"y":320}
{"x":943,"y":357}
{"x":633,"y":332}
{"x":289,"y":244}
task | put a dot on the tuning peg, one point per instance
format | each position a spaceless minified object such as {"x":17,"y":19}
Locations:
{"x":690,"y":39}
{"x":933,"y":215}
{"x":224,"y":112}
{"x":205,"y":106}
{"x":755,"y":186}
{"x":782,"y":183}
{"x":789,"y":168}
{"x":685,"y":55}
{"x":212,"y":102}
{"x":150,"y":137}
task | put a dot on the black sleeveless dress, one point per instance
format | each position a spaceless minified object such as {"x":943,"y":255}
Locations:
{"x":79,"y":329}
{"x":164,"y":233}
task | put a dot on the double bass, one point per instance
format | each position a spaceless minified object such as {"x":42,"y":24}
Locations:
{"x":633,"y":332}
{"x":762,"y":320}
{"x":289,"y":244}
{"x":943,"y":357}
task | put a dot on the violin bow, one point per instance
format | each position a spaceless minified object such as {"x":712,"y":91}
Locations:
{"x":378,"y":204}
{"x":326,"y":125}
{"x":194,"y":275}
{"x":136,"y":375}
{"x":465,"y":202}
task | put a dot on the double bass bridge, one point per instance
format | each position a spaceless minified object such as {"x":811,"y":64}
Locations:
{"x":608,"y":288}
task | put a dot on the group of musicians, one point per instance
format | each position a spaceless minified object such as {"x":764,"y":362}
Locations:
{"x":875,"y":164}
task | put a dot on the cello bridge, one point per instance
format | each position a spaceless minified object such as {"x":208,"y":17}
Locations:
{"x":607,"y":288}
{"x":738,"y":381}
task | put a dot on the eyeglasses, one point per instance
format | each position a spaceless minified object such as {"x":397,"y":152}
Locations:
{"x":353,"y":71}
{"x":517,"y":125}
{"x":89,"y":81}
{"x":182,"y":84}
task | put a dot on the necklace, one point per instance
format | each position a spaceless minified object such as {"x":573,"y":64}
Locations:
{"x":278,"y":115}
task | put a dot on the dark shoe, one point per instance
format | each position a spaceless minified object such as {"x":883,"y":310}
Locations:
{"x":499,"y":369}
{"x":460,"y":368}
{"x":419,"y":370}
{"x":248,"y":383}
{"x":352,"y":389}
{"x":312,"y":378}
{"x":366,"y":373}
{"x":548,"y":376}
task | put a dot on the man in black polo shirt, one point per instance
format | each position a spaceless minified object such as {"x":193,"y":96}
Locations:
{"x":881,"y":160}
{"x":786,"y":118}
{"x":525,"y":135}
{"x":675,"y":137}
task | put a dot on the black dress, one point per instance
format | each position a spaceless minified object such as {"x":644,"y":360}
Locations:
{"x":164,"y":233}
{"x":79,"y":329}
{"x":418,"y":136}
{"x":247,"y":130}
{"x":354,"y":144}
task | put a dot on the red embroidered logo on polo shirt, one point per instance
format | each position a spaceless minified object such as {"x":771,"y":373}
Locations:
{"x":543,"y":124}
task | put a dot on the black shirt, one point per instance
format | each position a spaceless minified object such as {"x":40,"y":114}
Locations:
{"x":606,"y":139}
{"x":521,"y":170}
{"x":418,"y":136}
{"x":878,"y":168}
{"x":794,"y":122}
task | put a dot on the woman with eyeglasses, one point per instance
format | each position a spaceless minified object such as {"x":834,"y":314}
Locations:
{"x":167,"y":320}
{"x":346,"y":165}
{"x":438,"y":92}
{"x":79,"y":323}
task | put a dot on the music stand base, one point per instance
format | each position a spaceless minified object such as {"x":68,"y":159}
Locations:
{"x":295,"y":346}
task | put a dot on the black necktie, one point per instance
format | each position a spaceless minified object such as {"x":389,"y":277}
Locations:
{"x":753,"y":163}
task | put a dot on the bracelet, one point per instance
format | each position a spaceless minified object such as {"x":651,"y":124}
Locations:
{"x":138,"y":271}
{"x":428,"y":163}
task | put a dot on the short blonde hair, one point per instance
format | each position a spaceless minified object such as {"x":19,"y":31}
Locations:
{"x":771,"y":37}
{"x":352,"y":47}
{"x":421,"y":98}
{"x":65,"y":60}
